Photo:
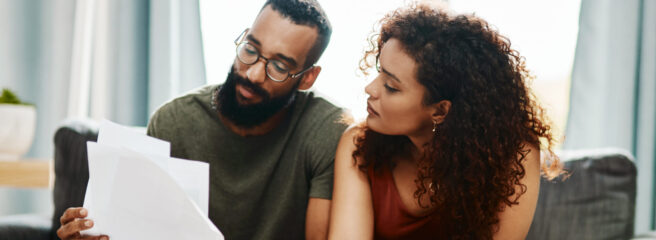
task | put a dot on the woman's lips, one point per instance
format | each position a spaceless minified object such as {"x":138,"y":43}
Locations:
{"x":371,"y":110}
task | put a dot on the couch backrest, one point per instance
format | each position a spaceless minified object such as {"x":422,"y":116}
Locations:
{"x":596,"y":201}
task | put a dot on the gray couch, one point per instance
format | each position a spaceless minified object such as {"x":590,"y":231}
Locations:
{"x":597,"y":201}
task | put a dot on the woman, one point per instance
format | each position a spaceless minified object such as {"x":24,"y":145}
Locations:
{"x":451,"y":146}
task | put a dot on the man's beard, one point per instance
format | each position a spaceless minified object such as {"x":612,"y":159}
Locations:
{"x":248,"y":116}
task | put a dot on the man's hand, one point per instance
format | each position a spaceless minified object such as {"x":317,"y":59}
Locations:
{"x":72,"y":222}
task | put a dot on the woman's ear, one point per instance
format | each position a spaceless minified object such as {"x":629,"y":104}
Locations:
{"x":440,"y":110}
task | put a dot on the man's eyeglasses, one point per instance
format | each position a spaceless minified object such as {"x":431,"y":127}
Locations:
{"x":276,"y":70}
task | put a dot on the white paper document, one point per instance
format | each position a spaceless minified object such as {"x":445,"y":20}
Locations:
{"x":137,"y":191}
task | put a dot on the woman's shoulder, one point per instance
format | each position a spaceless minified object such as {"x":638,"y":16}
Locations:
{"x":353,"y":131}
{"x":530,"y":158}
{"x":532,"y":151}
{"x":348,"y":142}
{"x":352,"y":135}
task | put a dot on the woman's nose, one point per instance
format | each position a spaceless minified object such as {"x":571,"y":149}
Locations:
{"x":371,"y":89}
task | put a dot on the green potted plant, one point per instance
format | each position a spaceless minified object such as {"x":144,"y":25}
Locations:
{"x":17,"y":125}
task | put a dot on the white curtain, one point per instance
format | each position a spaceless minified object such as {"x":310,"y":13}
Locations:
{"x":114,"y":59}
{"x":139,"y":53}
{"x":613,"y":96}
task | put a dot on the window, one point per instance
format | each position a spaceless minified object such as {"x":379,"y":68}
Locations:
{"x":545,"y":33}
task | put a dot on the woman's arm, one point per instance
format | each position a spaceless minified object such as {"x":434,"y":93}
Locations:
{"x":351,"y":214}
{"x":515,"y":221}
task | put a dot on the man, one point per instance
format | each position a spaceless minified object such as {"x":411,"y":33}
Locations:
{"x":270,"y":147}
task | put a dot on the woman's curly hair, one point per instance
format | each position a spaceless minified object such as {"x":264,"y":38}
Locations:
{"x":474,"y":162}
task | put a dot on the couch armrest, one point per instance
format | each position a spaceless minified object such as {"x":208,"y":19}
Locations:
{"x":645,"y":236}
{"x":71,"y":165}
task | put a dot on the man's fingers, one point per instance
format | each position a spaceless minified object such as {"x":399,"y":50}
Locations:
{"x":102,"y":237}
{"x":73,"y":228}
{"x":71,"y":214}
{"x":73,"y":222}
{"x":64,"y":235}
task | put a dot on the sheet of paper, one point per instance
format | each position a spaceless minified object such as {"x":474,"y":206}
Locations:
{"x":192,"y":176}
{"x":116,"y":135}
{"x":142,"y":193}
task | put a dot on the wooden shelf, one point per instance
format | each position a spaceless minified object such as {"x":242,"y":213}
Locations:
{"x":26,"y":173}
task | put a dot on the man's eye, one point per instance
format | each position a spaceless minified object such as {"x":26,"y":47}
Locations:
{"x":279,"y":66}
{"x":250,"y":51}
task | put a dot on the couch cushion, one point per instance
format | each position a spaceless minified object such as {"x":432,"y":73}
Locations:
{"x":32,"y":227}
{"x":596,"y":201}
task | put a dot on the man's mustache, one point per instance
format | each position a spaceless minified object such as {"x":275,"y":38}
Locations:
{"x":251,"y":86}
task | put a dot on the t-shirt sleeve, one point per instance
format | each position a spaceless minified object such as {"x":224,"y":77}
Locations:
{"x":322,"y":144}
{"x":161,"y":122}
{"x":151,"y":130}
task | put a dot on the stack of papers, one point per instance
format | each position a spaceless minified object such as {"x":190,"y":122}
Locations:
{"x":137,"y":191}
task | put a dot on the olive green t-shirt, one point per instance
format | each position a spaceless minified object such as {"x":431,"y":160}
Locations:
{"x":259,"y":185}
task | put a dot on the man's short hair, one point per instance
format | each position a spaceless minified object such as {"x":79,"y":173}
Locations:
{"x":309,"y":13}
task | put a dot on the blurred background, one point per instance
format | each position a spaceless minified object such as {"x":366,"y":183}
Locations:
{"x":594,"y":64}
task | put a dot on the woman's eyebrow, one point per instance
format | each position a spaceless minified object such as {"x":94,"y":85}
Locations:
{"x":390,"y":74}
